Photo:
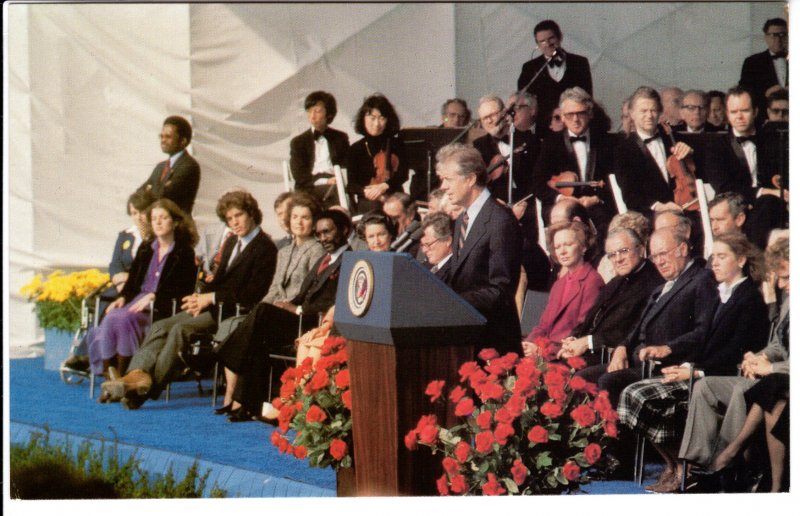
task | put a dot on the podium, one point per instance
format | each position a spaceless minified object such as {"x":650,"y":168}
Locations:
{"x":404,"y":327}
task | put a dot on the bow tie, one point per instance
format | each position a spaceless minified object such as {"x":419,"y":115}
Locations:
{"x":556,"y":61}
{"x":651,"y":139}
{"x":503,"y":139}
{"x":742,"y":139}
{"x":316,"y":134}
{"x":581,"y":138}
{"x":779,"y":55}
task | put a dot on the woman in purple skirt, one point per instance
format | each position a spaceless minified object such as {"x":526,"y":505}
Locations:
{"x":164,"y":269}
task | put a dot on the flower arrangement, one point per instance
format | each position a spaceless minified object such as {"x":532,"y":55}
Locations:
{"x":315,"y":402}
{"x":57,"y":299}
{"x":537,"y":429}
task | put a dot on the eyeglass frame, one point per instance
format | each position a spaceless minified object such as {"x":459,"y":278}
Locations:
{"x":425,"y":247}
{"x":663,"y":254}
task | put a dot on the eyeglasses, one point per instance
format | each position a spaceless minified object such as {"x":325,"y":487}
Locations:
{"x":575,"y":114}
{"x":691,"y":107}
{"x":662,"y":255}
{"x":622,"y":253}
{"x":777,"y":35}
{"x":427,"y":245}
{"x":490,"y":116}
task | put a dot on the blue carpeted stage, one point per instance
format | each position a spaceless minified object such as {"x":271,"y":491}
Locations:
{"x":176,"y":433}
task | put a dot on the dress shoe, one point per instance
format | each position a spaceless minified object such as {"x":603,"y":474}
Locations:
{"x":670,"y":485}
{"x":664,"y":477}
{"x":132,"y":400}
{"x":137,"y":381}
{"x":77,"y":363}
{"x":112,"y":390}
{"x":227,"y":409}
{"x":240,"y":416}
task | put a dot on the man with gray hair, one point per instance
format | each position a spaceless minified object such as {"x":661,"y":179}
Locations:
{"x":671,"y":100}
{"x":694,"y":113}
{"x":455,"y":113}
{"x":437,"y":244}
{"x":577,"y":154}
{"x":486,"y":247}
{"x":728,"y":213}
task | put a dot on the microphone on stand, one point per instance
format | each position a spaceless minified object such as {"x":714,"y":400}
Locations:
{"x":405,"y":235}
{"x":413,"y":237}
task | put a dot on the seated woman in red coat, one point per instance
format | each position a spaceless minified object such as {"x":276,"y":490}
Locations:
{"x":574,"y":293}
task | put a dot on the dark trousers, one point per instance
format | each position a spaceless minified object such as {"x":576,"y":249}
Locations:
{"x":614,"y":382}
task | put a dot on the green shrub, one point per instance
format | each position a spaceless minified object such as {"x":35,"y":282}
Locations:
{"x":41,"y":470}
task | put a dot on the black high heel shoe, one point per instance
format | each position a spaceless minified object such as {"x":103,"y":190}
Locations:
{"x":240,"y":415}
{"x":227,"y":409}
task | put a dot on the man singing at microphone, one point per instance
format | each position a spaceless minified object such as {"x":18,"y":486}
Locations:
{"x":564,"y":70}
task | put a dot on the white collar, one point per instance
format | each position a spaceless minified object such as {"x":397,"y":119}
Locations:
{"x":477,"y":204}
{"x":725,"y":292}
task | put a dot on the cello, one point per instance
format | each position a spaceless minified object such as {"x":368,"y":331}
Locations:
{"x":682,"y":171}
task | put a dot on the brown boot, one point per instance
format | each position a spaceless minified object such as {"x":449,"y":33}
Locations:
{"x":137,"y":381}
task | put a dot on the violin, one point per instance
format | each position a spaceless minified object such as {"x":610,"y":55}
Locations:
{"x":386,"y":164}
{"x":498,"y":165}
{"x":567,"y":181}
{"x":683,"y":172}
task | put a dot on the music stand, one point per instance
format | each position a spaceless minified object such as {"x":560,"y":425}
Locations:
{"x":421,"y":145}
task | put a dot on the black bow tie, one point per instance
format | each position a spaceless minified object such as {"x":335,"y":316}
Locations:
{"x":581,"y":138}
{"x":651,"y":139}
{"x":742,"y":139}
{"x":317,"y":134}
{"x":779,"y":55}
{"x":503,"y":139}
{"x":556,"y":61}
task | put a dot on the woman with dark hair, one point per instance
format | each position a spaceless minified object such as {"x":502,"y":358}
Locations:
{"x":128,"y":240}
{"x":376,"y":164}
{"x":575,"y":292}
{"x":163,"y":270}
{"x":740,"y":325}
{"x":378,"y":231}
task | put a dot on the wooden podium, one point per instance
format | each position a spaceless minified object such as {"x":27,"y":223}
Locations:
{"x":404,"y":328}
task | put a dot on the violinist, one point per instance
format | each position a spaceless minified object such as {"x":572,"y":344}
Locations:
{"x":640,"y":159}
{"x":377,"y":165}
{"x":580,"y":153}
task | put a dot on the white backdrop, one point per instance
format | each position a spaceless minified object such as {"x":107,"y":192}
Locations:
{"x":88,"y":86}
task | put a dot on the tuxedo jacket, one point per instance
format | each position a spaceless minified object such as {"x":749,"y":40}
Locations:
{"x":176,"y":281}
{"x":301,"y":155}
{"x":638,"y":175}
{"x":245,"y":280}
{"x":181,"y":183}
{"x":758,"y":75}
{"x":294,"y":264}
{"x":680,"y":319}
{"x":318,"y":291}
{"x":558,"y":155}
{"x":523,"y":162}
{"x":568,"y":304}
{"x":619,"y":307}
{"x":738,"y":326}
{"x":486,"y":272}
{"x":727,"y":169}
{"x":548,"y":91}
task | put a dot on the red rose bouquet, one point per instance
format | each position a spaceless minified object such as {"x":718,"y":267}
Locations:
{"x":314,"y":401}
{"x":529,"y":426}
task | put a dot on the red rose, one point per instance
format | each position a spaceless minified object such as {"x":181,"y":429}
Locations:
{"x":466,"y":369}
{"x":571,"y":471}
{"x":503,"y":432}
{"x":503,"y":416}
{"x":434,"y":389}
{"x":491,"y":391}
{"x":465,"y":407}
{"x":576,"y":362}
{"x":462,"y":451}
{"x":501,"y":365}
{"x":551,"y":410}
{"x":342,"y":379}
{"x":287,"y":390}
{"x":487,"y":354}
{"x":611,"y":428}
{"x":411,"y":440}
{"x":331,"y":345}
{"x":592,"y":453}
{"x":519,"y":472}
{"x":300,"y":452}
{"x":601,"y":403}
{"x":338,"y":449}
{"x":554,"y":378}
{"x":450,"y":465}
{"x":527,"y":368}
{"x":289,"y":375}
{"x":457,"y":393}
{"x":458,"y":484}
{"x":583,"y":415}
{"x":426,"y":420}
{"x":347,"y":400}
{"x":275,"y":438}
{"x":492,"y":487}
{"x":484,"y":420}
{"x":515,"y":405}
{"x":484,"y":442}
{"x":429,"y":434}
{"x":576,"y":383}
{"x":591,"y":388}
{"x":441,"y":485}
{"x":477,"y":379}
{"x":320,"y":380}
{"x":315,"y":415}
{"x":538,"y":434}
{"x":277,"y":403}
{"x":557,"y":394}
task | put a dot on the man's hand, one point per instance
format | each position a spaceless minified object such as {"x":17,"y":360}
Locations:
{"x":619,"y":359}
{"x":572,"y":347}
{"x":588,"y":201}
{"x":675,"y":374}
{"x":196,"y":303}
{"x":681,"y":150}
{"x":649,"y":352}
{"x":374,"y":192}
{"x":666,"y":206}
{"x":289,"y":307}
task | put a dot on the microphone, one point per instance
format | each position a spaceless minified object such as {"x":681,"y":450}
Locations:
{"x":413,"y":237}
{"x":415,"y":225}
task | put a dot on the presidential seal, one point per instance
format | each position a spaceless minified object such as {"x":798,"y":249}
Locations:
{"x":360,"y":287}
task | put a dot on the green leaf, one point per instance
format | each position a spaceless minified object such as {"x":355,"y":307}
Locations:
{"x":560,"y":477}
{"x":580,"y":443}
{"x":543,"y":460}
{"x":511,"y":486}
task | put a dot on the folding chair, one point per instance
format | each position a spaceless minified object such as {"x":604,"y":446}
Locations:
{"x":617,"y":191}
{"x":288,"y":181}
{"x":285,"y":360}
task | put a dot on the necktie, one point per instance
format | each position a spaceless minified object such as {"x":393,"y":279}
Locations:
{"x":556,"y":61}
{"x":742,"y":139}
{"x":165,"y":171}
{"x":503,"y":139}
{"x":218,"y":257}
{"x":316,"y":134}
{"x":574,"y":139}
{"x":462,"y":237}
{"x":667,"y":287}
{"x":238,"y":250}
{"x":324,"y":264}
{"x":651,"y":139}
{"x":779,"y":55}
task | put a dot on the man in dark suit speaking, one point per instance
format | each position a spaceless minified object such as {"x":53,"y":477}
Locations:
{"x":177,"y":178}
{"x":487,"y":244}
{"x":564,"y":70}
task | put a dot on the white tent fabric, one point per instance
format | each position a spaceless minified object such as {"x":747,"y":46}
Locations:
{"x":88,"y":86}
